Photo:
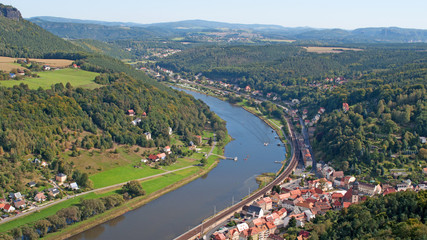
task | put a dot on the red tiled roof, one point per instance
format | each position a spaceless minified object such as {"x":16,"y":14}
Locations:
{"x":270,"y":225}
{"x":337,"y":195}
{"x":388,"y":191}
{"x":346,"y":204}
{"x":152,"y":157}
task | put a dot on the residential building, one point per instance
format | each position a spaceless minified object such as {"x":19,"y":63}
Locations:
{"x":40,"y":197}
{"x":131,"y":112}
{"x":253,"y":211}
{"x":167,"y":149}
{"x":161,"y":156}
{"x":147,"y":135}
{"x":19,"y":204}
{"x":61,"y":178}
{"x":74,"y":186}
{"x":369,"y":189}
{"x":8,"y":208}
{"x":53,"y":192}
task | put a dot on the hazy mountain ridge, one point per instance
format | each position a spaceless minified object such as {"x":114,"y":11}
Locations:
{"x":125,"y":30}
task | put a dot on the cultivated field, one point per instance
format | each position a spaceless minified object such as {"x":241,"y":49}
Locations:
{"x":330,"y":49}
{"x":8,"y":63}
{"x":77,"y":78}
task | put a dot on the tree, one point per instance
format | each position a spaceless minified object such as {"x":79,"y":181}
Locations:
{"x":204,"y":161}
{"x":29,"y":233}
{"x":57,"y":222}
{"x":276,"y":188}
{"x":133,"y":188}
{"x":71,"y":214}
{"x":91,"y":207}
{"x":42,"y":226}
{"x":292,"y":223}
{"x":423,"y":153}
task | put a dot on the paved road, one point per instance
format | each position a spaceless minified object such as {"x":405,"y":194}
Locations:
{"x":292,"y":165}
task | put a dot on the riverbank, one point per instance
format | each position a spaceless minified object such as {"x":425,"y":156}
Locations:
{"x":126,"y":207}
{"x":140,"y":201}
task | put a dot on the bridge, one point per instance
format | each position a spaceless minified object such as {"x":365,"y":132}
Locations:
{"x":212,"y":222}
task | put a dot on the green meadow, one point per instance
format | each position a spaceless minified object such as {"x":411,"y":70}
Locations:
{"x":77,"y":78}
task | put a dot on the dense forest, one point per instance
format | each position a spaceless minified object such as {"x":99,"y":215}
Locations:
{"x":384,"y":85}
{"x":25,"y":39}
{"x":399,"y":215}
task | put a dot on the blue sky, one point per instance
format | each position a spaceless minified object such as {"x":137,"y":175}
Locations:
{"x":289,"y":13}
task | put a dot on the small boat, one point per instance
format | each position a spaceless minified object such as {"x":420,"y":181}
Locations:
{"x":265,"y":144}
{"x":235,"y":158}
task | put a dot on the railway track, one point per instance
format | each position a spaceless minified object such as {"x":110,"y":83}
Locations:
{"x":197,"y":231}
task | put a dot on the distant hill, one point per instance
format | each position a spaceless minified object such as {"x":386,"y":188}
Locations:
{"x":107,"y":31}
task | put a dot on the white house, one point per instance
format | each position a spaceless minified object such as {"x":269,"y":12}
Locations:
{"x":147,"y":135}
{"x":74,"y":186}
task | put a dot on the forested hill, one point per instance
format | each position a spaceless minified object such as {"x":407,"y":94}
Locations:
{"x":21,"y":38}
{"x":399,"y":215}
{"x":110,"y":31}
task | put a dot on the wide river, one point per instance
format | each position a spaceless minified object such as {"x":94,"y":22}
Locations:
{"x":176,"y":212}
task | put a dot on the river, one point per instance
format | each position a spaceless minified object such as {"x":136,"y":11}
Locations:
{"x":176,"y":212}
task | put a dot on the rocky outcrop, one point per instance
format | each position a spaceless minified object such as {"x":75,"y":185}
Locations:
{"x":10,"y":12}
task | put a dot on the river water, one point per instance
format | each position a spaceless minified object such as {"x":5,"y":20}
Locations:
{"x":176,"y":212}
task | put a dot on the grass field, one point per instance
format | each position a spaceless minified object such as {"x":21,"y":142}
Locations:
{"x":330,"y":49}
{"x":158,"y":183}
{"x":122,"y":174}
{"x":77,"y":78}
{"x":95,"y":162}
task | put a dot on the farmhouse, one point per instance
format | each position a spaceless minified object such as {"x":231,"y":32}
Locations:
{"x":162,"y":156}
{"x":153,"y":158}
